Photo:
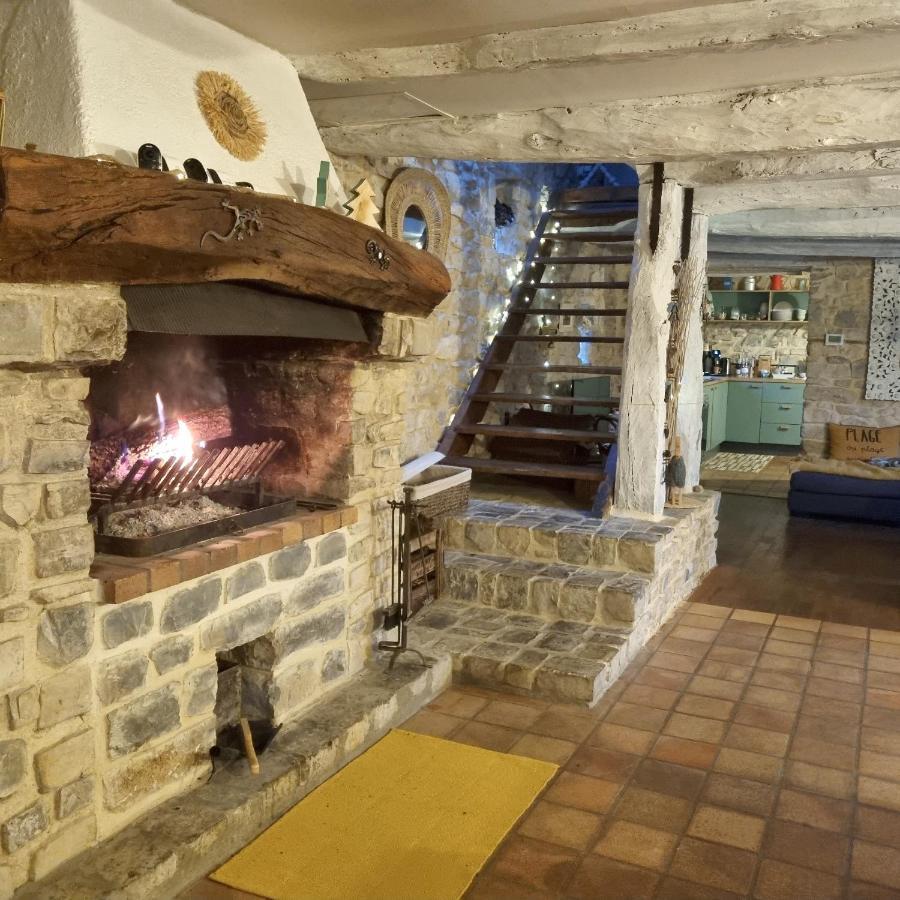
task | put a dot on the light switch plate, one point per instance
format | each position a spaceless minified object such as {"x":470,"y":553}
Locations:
{"x":834,"y":340}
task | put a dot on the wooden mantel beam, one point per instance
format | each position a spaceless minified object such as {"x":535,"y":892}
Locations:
{"x":839,"y":114}
{"x":746,"y":25}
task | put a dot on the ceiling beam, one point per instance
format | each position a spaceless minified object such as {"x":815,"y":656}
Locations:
{"x":745,"y":25}
{"x":846,"y":114}
{"x":810,"y":224}
{"x":837,"y":193}
{"x":866,"y":163}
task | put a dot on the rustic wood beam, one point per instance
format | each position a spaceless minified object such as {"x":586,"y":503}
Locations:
{"x":841,"y":114}
{"x":809,"y":224}
{"x":748,"y":25}
{"x":80,"y":220}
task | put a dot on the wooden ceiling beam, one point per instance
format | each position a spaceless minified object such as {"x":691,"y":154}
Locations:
{"x":730,"y":27}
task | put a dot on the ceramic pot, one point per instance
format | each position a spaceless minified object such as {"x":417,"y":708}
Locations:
{"x":777,"y":282}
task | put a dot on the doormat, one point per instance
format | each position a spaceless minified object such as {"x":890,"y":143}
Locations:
{"x":413,"y":818}
{"x":738,"y":462}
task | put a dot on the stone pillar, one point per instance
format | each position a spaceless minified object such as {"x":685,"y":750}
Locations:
{"x":692,"y":297}
{"x":639,"y":475}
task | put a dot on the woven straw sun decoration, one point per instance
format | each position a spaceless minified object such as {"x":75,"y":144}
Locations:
{"x":231,"y":115}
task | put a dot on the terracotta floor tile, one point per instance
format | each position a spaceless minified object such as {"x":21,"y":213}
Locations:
{"x":734,"y":655}
{"x":879,"y":648}
{"x":456,"y":703}
{"x":708,"y":609}
{"x":841,"y":657}
{"x":600,"y":763}
{"x":813,"y":809}
{"x":782,"y":881}
{"x":886,"y":719}
{"x":839,"y":690}
{"x":644,"y":695}
{"x":539,"y":746}
{"x":873,"y":862}
{"x":725,"y":826}
{"x":836,"y":628}
{"x":598,"y":876}
{"x":819,"y":779}
{"x":534,"y":863}
{"x":798,"y":622}
{"x":490,"y":887}
{"x":636,"y":844}
{"x":666,"y":778}
{"x":727,"y":671}
{"x":561,"y":825}
{"x":674,"y":661}
{"x":715,"y":687}
{"x":794,"y":635}
{"x":594,"y":795}
{"x":810,"y":848}
{"x":772,"y":698}
{"x":852,"y":643}
{"x":878,"y":826}
{"x":634,"y":716}
{"x":883,"y":636}
{"x":754,"y":766}
{"x":877,"y":792}
{"x":832,"y":730}
{"x":760,"y":717}
{"x":749,"y":615}
{"x":706,"y":707}
{"x":740,"y":640}
{"x":848,"y":674}
{"x":756,"y":629}
{"x":883,"y":664}
{"x":692,"y":633}
{"x":429,"y":721}
{"x":781,"y":681}
{"x":715,"y":865}
{"x":739,"y":793}
{"x":562,"y":724}
{"x":663,"y":678}
{"x":757,"y":740}
{"x":822,"y":753}
{"x":882,"y":698}
{"x":654,"y":809}
{"x":694,"y":728}
{"x":885,"y":681}
{"x":696,"y":754}
{"x":682,"y":647}
{"x":834,"y":709}
{"x":511,"y":715}
{"x":699,"y":621}
{"x":775,"y":663}
{"x":483,"y":734}
{"x":676,"y":889}
{"x":878,"y":740}
{"x":788,"y":648}
{"x":622,"y":738}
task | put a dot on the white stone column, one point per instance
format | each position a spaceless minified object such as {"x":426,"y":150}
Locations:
{"x":692,"y":297}
{"x":639,"y":475}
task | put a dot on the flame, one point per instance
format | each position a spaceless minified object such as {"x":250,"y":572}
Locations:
{"x":178,"y":443}
{"x":184,"y":442}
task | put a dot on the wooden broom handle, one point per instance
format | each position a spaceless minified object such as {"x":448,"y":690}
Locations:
{"x":248,"y":747}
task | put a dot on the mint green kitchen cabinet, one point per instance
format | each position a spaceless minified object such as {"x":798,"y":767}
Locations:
{"x":744,"y":412}
{"x":715,"y":414}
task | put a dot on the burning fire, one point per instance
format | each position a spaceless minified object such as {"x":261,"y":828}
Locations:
{"x":180,"y":442}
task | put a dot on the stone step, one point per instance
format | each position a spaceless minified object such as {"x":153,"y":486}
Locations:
{"x":505,"y":650}
{"x":560,"y":536}
{"x":549,"y":591}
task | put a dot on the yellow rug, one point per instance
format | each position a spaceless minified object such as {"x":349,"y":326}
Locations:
{"x":414,"y":817}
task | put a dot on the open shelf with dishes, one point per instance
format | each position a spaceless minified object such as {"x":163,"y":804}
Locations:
{"x":749,"y":299}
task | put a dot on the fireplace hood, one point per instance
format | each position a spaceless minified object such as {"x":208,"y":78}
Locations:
{"x":225,"y":309}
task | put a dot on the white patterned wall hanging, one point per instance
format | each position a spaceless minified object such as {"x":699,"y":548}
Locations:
{"x":883,"y":376}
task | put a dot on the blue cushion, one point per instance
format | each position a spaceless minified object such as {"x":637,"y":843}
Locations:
{"x":845,"y":485}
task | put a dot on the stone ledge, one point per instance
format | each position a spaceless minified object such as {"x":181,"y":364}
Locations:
{"x":173,"y":846}
{"x":124,"y":578}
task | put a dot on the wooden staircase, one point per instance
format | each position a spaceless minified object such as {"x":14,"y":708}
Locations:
{"x":582,"y":216}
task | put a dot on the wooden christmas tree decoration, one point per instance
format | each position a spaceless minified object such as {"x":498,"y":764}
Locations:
{"x":362,"y":207}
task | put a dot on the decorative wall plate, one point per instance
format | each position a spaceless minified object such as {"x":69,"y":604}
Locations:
{"x":417,"y":210}
{"x":231,"y":115}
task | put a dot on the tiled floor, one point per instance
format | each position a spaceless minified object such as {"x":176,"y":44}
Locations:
{"x":836,"y":571}
{"x":772,"y":481}
{"x":743,"y":755}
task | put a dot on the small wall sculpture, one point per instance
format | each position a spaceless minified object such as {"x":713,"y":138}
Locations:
{"x":230,"y":114}
{"x":883,"y":374}
{"x":417,"y":210}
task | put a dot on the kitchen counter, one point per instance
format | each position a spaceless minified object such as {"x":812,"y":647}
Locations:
{"x":710,"y":379}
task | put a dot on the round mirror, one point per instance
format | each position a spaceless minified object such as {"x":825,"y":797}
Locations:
{"x":415,"y":229}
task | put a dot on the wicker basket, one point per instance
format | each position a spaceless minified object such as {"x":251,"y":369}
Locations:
{"x":440,"y":490}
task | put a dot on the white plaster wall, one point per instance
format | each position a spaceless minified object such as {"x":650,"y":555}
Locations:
{"x":131,"y":65}
{"x":39,"y":74}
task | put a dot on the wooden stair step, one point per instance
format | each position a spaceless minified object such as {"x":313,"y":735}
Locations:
{"x":581,"y":370}
{"x":584,"y":260}
{"x":500,"y":397}
{"x":536,"y":470}
{"x":538,"y":434}
{"x":560,"y":338}
{"x":593,"y":237}
{"x":596,"y":195}
{"x":579,"y":285}
{"x":568,"y":311}
{"x":597,"y":213}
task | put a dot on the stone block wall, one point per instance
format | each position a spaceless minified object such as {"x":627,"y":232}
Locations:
{"x":783,"y":342}
{"x":840,"y":300}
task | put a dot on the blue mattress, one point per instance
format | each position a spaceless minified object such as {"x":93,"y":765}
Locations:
{"x":845,"y":497}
